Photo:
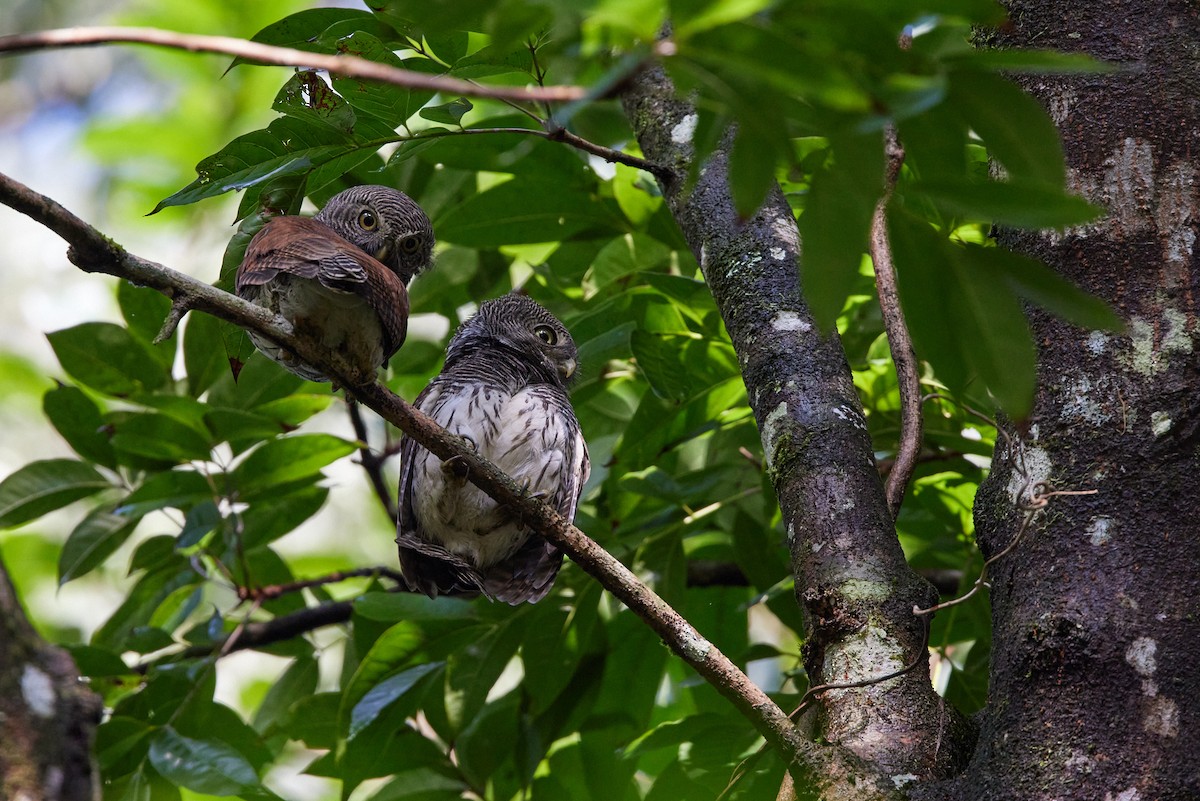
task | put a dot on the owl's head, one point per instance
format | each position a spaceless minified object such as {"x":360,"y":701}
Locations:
{"x":384,"y":222}
{"x":522,"y":327}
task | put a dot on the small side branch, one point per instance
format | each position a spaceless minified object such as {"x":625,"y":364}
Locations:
{"x":372,"y":463}
{"x":345,"y":65}
{"x":903,"y":357}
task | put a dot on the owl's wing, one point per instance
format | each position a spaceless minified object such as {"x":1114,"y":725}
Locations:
{"x":529,"y":573}
{"x":309,"y":249}
{"x":427,"y":567}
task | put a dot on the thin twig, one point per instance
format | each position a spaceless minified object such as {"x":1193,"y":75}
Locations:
{"x":746,"y":764}
{"x":568,"y":138}
{"x":93,"y":252}
{"x":806,"y":699}
{"x":1038,"y":500}
{"x":272,"y":591}
{"x":345,"y":65}
{"x":372,"y":463}
{"x":908,"y":375}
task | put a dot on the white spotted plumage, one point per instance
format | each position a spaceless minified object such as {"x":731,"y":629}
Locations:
{"x":504,"y":390}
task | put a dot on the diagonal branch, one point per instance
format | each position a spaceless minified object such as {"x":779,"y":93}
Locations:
{"x":903,"y":357}
{"x":348,"y":66}
{"x":91,"y":251}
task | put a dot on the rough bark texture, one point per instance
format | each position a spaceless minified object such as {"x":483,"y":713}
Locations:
{"x":1095,"y":685}
{"x":856,"y":591}
{"x":47,"y":717}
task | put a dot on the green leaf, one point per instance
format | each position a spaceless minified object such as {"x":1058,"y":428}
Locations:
{"x":204,"y":766}
{"x":524,"y":210}
{"x":306,"y":30}
{"x":472,"y":671}
{"x":995,"y":335}
{"x":144,"y":310}
{"x":448,"y":113}
{"x":78,"y":419}
{"x":714,"y":14}
{"x":92,"y":541}
{"x":43,"y":486}
{"x":1014,"y":126}
{"x":128,"y":366}
{"x":836,"y":224}
{"x":922,"y":263}
{"x":309,"y":99}
{"x":392,"y":608}
{"x":299,"y":681}
{"x":172,"y":488}
{"x":658,"y":357}
{"x":394,"y":105}
{"x":204,"y":358}
{"x":751,"y":170}
{"x":269,"y":518}
{"x":160,"y":436}
{"x":1033,"y":62}
{"x":1037,"y":283}
{"x":385,"y":694}
{"x":287,"y":459}
{"x":288,"y":146}
{"x":1017,"y":204}
{"x":94,"y":662}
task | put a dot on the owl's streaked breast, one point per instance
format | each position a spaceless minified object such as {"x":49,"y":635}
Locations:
{"x":521,"y":433}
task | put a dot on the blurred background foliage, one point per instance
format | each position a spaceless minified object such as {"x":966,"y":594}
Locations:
{"x":201,"y":491}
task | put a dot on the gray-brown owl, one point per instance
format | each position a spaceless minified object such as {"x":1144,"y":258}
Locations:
{"x":503,"y":388}
{"x":340,"y":277}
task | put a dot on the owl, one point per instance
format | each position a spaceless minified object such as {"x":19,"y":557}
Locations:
{"x":340,"y":277}
{"x":504,"y":389}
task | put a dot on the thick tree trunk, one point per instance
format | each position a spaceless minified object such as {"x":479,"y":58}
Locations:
{"x":1095,"y":685}
{"x":47,"y":717}
{"x":852,"y":581}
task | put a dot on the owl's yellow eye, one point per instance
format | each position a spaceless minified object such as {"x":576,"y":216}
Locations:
{"x":546,"y":334}
{"x":367,"y":220}
{"x":410,"y":244}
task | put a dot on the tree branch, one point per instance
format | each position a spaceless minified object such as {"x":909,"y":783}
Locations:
{"x":348,"y":66}
{"x":47,"y":717}
{"x":372,"y":464}
{"x":93,"y":252}
{"x":852,"y":580}
{"x":908,"y":375}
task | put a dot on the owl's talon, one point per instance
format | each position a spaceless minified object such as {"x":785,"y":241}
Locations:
{"x":456,"y":467}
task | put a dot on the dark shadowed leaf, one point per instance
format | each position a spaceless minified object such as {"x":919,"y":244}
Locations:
{"x":1037,"y":283}
{"x":304,"y":29}
{"x":127,"y":366}
{"x":78,"y":419}
{"x":144,"y":310}
{"x":524,"y":210}
{"x":836,"y":223}
{"x":448,"y":113}
{"x":175,"y":488}
{"x":159,"y":436}
{"x":288,"y":459}
{"x":1017,"y":204}
{"x":205,"y":766}
{"x":384,"y":694}
{"x":298,"y":681}
{"x":1015,"y":127}
{"x":93,"y":541}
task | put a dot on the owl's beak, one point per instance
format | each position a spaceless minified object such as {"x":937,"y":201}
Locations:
{"x":568,"y":368}
{"x":382,"y":252}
